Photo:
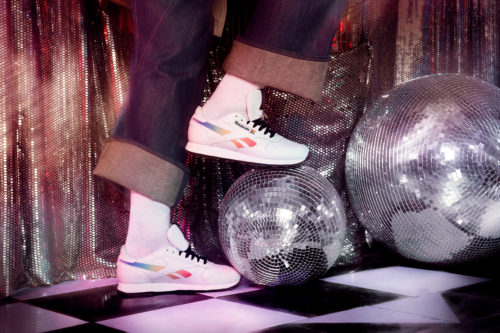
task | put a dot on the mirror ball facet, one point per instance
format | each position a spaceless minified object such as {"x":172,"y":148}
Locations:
{"x":423,"y":169}
{"x":282,"y":226}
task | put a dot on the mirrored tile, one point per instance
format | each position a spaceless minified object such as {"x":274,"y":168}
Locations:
{"x":405,"y":280}
{"x":207,"y":316}
{"x":20,"y":317}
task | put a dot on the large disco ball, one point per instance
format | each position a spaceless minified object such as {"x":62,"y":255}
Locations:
{"x":282,"y":226}
{"x":423,"y":169}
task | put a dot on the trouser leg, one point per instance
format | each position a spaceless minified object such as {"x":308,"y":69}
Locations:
{"x":287,"y":45}
{"x":146,"y":151}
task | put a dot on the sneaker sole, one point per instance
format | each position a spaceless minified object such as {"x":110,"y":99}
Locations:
{"x":130,"y":288}
{"x":231,"y":155}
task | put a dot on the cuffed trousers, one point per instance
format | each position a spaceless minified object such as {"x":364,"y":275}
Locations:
{"x":286,"y":46}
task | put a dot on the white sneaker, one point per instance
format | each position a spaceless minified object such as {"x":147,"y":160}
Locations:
{"x":172,"y":268}
{"x":243,"y":137}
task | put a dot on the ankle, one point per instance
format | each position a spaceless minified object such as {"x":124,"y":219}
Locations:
{"x":229,"y":97}
{"x":148,"y":225}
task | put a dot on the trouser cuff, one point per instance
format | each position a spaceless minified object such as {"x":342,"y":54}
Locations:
{"x":297,"y":76}
{"x":129,"y":165}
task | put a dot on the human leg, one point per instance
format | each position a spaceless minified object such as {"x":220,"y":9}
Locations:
{"x":286,"y":46}
{"x":146,"y":151}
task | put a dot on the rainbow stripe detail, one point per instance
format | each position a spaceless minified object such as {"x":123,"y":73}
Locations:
{"x":249,"y":142}
{"x":155,"y":268}
{"x":149,"y":267}
{"x":216,"y":129}
{"x":237,"y":144}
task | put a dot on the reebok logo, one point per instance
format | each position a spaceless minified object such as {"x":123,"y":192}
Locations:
{"x":240,"y":125}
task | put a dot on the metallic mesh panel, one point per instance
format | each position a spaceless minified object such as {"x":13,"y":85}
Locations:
{"x":436,"y":36}
{"x":423,"y":169}
{"x":282,"y":226}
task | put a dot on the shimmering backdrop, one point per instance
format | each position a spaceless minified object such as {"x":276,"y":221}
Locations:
{"x":63,"y":77}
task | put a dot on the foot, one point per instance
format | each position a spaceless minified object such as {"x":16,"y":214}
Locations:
{"x":173,"y":267}
{"x":243,"y":137}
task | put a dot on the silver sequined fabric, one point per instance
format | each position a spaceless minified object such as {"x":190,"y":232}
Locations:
{"x":282,"y":226}
{"x":423,"y":169}
{"x":63,"y":77}
{"x":436,"y":36}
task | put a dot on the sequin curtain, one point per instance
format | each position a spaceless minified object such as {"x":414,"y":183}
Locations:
{"x":63,"y":77}
{"x":436,"y":36}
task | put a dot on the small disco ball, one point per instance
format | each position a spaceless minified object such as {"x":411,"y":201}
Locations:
{"x":423,"y":169}
{"x":282,"y":226}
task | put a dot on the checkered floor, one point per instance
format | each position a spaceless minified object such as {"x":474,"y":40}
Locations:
{"x":386,"y":299}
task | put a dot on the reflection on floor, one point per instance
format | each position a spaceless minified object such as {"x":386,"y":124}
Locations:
{"x":380,"y":299}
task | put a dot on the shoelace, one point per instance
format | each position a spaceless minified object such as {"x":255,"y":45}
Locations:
{"x":262,"y":126}
{"x":190,"y":253}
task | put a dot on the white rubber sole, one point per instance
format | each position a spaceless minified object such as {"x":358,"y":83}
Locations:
{"x":131,"y":288}
{"x":232,"y":155}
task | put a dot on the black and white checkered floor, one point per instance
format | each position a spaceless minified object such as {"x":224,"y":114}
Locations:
{"x":386,"y":299}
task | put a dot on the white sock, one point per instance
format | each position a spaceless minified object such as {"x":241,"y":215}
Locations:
{"x":230,"y":96}
{"x":148,"y":225}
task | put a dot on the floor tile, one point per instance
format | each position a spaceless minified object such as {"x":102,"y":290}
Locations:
{"x":86,"y":328}
{"x":244,"y":286}
{"x":431,"y":306}
{"x":207,"y":316}
{"x":63,"y":287}
{"x":312,"y":299}
{"x":405,"y":280}
{"x":489,"y":289}
{"x":291,"y":328}
{"x":489,"y":324}
{"x":371,"y":314}
{"x":20,"y":317}
{"x":470,"y":308}
{"x":370,"y":328}
{"x":7,"y":300}
{"x":106,"y":302}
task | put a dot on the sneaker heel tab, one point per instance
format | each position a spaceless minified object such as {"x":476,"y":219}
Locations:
{"x":124,"y":253}
{"x":176,"y":238}
{"x":198,"y":113}
{"x":254,"y":101}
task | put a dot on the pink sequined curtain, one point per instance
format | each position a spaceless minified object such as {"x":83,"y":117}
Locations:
{"x":63,"y":77}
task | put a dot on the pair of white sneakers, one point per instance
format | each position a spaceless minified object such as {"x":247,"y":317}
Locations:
{"x":237,"y":136}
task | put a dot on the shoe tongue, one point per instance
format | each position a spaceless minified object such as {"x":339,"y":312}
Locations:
{"x":176,"y":238}
{"x":254,"y":101}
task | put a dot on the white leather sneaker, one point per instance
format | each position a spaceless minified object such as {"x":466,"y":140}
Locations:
{"x":243,"y":137}
{"x":174,"y":267}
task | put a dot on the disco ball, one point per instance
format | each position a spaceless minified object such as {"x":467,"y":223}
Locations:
{"x":282,"y":226}
{"x":423,"y":169}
